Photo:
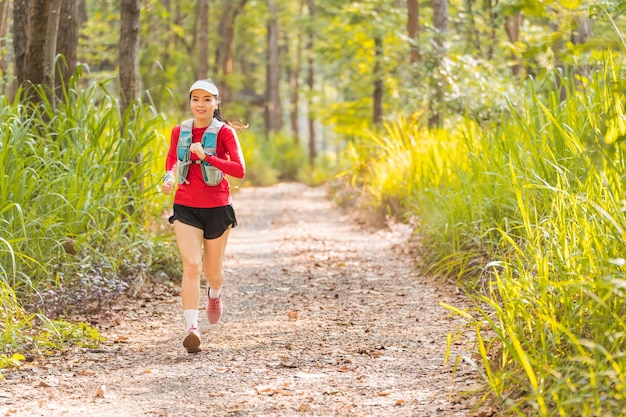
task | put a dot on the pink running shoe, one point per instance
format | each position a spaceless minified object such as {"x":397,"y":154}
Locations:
{"x":214,"y":310}
{"x":192,"y":340}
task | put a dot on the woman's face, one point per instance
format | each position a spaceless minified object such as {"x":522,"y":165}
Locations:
{"x":202,"y":104}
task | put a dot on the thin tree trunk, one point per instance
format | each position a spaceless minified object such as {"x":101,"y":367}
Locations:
{"x":67,"y":45}
{"x":129,"y":77}
{"x":202,"y":34}
{"x":440,"y":23}
{"x":5,"y":9}
{"x":293,"y":73}
{"x":580,"y":36}
{"x":51,"y":47}
{"x":377,"y":117}
{"x":560,"y":74}
{"x":34,"y":65}
{"x":273,"y":111}
{"x":81,"y":12}
{"x":21,"y":11}
{"x":473,"y":34}
{"x":413,"y":29}
{"x":493,"y":25}
{"x":512,"y":25}
{"x":224,"y":52}
{"x":310,"y":80}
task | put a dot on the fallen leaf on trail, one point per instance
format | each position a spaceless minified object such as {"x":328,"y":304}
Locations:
{"x":147,"y":371}
{"x":288,"y":365}
{"x":85,"y":372}
{"x":121,"y":339}
{"x":263,"y":389}
{"x":384,"y":394}
{"x":293,"y":315}
{"x":400,"y":402}
{"x":101,"y":391}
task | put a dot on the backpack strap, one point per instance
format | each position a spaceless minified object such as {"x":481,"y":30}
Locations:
{"x":182,"y":150}
{"x":212,"y":176}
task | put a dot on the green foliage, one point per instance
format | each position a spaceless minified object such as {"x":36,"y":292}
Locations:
{"x":528,"y":212}
{"x":286,"y":156}
{"x":259,"y":170}
{"x":76,"y":195}
{"x":326,"y":168}
{"x":268,"y":161}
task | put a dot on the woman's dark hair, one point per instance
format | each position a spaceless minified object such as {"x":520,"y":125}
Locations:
{"x":238,"y":126}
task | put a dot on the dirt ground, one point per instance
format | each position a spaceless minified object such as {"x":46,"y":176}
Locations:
{"x":323,"y":316}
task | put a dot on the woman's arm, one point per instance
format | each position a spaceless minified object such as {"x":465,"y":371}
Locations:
{"x":234,"y":164}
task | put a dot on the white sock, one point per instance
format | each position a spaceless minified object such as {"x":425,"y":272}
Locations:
{"x":191,"y":318}
{"x":213,"y":294}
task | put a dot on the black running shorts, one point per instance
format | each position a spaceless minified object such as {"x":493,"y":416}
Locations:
{"x":213,"y":221}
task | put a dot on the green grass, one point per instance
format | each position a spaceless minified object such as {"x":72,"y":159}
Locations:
{"x":77,"y":196}
{"x":528,"y":213}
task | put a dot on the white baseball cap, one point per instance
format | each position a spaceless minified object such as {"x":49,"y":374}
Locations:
{"x":206,"y":85}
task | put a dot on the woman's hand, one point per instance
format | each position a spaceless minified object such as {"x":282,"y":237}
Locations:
{"x":168,"y":183}
{"x":197,"y":149}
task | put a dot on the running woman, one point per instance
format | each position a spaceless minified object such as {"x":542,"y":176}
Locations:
{"x":202,"y":151}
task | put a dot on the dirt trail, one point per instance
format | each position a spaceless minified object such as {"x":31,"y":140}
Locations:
{"x":323,"y":317}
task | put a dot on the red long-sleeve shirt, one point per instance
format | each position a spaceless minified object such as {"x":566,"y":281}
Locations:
{"x":229,"y":160}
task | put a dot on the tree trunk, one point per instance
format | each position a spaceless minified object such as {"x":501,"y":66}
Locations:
{"x":559,"y":65}
{"x":377,"y":117}
{"x":310,"y":80}
{"x":51,"y":47}
{"x":473,"y":33}
{"x":5,"y":9}
{"x":493,"y":25}
{"x":582,"y":32}
{"x":129,"y":54}
{"x":293,"y":74}
{"x":413,"y":29}
{"x":81,"y":12}
{"x":34,"y":65}
{"x":440,"y":23}
{"x":202,"y":35}
{"x":224,"y":52}
{"x":67,"y":45}
{"x":580,"y":35}
{"x":273,"y":110}
{"x":129,"y":77}
{"x":21,"y":10}
{"x":512,"y":25}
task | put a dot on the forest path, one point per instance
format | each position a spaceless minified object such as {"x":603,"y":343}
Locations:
{"x":322,"y":317}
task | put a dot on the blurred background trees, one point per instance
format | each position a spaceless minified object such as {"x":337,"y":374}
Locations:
{"x":296,"y":67}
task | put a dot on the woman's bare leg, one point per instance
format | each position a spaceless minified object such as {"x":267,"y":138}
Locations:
{"x":213,"y":260}
{"x":189,"y":240}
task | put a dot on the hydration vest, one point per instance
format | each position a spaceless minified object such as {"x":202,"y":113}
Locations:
{"x":212,"y":176}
